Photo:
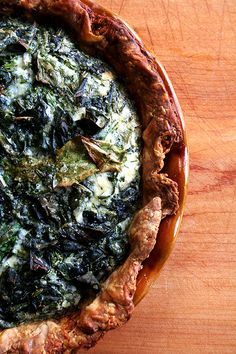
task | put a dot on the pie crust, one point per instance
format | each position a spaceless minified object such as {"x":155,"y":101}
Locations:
{"x":101,"y":33}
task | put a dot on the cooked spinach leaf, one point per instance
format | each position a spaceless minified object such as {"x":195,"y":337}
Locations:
{"x":69,"y":172}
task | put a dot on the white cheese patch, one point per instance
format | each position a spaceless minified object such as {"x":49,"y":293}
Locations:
{"x":17,"y":89}
{"x":18,"y":245}
{"x":123,"y":225}
{"x":68,"y":71}
{"x":2,"y":181}
{"x":103,"y":187}
{"x":14,"y":260}
{"x":66,"y":304}
{"x":111,"y":138}
{"x":78,"y":212}
{"x":104,"y":88}
{"x":22,"y":61}
{"x":79,"y":114}
{"x":10,"y":262}
{"x":105,"y":83}
{"x":129,"y":170}
{"x":126,"y":113}
{"x":28,"y":152}
{"x":27,"y":58}
{"x":23,"y":77}
{"x":98,"y":87}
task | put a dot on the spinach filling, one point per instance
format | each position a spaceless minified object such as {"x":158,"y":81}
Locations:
{"x":69,"y":172}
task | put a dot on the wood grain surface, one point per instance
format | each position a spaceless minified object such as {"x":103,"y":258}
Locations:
{"x":191,"y":308}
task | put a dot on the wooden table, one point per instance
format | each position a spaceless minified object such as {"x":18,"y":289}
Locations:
{"x":191,"y":308}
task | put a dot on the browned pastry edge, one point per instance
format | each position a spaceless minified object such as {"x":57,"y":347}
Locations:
{"x":99,"y":32}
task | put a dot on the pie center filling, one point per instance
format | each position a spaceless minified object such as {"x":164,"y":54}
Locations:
{"x":69,"y":172}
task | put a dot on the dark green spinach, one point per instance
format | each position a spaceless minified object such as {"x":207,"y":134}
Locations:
{"x":66,"y":129}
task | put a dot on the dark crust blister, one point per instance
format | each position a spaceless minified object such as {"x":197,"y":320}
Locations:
{"x":99,"y":32}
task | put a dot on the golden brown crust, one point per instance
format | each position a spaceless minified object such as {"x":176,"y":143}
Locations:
{"x":100,"y":32}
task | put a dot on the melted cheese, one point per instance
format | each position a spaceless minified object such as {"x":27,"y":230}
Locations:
{"x":102,"y":186}
{"x":129,"y":170}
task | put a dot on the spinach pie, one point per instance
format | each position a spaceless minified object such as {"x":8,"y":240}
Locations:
{"x":85,"y":124}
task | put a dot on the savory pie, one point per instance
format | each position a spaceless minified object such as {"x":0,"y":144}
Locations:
{"x":86,"y":122}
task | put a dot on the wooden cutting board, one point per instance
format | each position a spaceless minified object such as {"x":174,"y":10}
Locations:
{"x":191,"y":308}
